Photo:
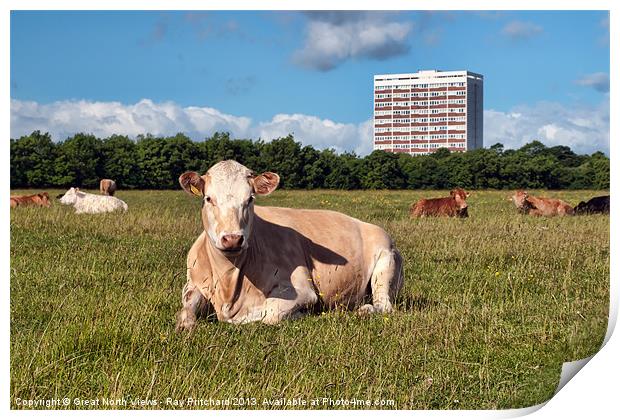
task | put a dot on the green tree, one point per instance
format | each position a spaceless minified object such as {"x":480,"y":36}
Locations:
{"x":283,"y":156}
{"x":32,"y":161}
{"x":80,"y":162}
{"x":344,"y":171}
{"x":380,"y":170}
{"x":120,"y":161}
{"x":156,"y":162}
{"x":163,"y":159}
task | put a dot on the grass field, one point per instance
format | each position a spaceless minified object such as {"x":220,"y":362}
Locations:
{"x":491,"y":307}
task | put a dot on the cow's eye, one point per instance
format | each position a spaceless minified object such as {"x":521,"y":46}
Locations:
{"x":208,"y":199}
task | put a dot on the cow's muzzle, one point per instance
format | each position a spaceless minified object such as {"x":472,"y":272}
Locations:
{"x":232,"y":243}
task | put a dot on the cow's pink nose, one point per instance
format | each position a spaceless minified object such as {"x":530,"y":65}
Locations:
{"x":232,"y":241}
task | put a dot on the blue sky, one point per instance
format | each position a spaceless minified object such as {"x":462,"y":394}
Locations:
{"x":261,"y":74}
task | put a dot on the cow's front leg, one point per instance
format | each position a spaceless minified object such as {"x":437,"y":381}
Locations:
{"x":194,"y":306}
{"x":289,"y":300}
{"x":278,"y":309}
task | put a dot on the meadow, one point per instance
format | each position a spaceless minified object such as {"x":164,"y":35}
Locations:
{"x":491,"y":307}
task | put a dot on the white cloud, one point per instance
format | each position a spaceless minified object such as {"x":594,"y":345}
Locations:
{"x":65,"y":118}
{"x":584,"y":129}
{"x":334,"y":38}
{"x":598,"y":81}
{"x":321,"y":133}
{"x":521,"y":30}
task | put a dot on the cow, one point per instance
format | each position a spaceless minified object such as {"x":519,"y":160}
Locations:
{"x":453,"y":206}
{"x":107,"y":187}
{"x":40,"y":199}
{"x":539,"y":206}
{"x":267,"y":264}
{"x":594,"y":205}
{"x":91,"y":203}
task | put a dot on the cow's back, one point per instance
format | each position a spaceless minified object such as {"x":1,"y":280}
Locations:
{"x":93,"y":203}
{"x":594,"y":205}
{"x":560,"y":207}
{"x":601,"y":202}
{"x":340,"y":250}
{"x":444,"y":206}
{"x":41,"y":200}
{"x":417,"y":208}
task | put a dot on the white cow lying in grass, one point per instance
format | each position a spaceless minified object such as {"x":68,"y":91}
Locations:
{"x":92,"y":203}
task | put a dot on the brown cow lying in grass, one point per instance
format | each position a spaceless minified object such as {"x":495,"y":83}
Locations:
{"x":453,"y":206}
{"x":40,"y":199}
{"x":539,"y":206}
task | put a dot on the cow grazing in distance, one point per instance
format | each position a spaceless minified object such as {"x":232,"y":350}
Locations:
{"x":267,"y":264}
{"x":453,"y":206}
{"x":91,"y":203}
{"x":107,"y":187}
{"x":539,"y":206}
{"x":40,"y":199}
{"x":594,"y":205}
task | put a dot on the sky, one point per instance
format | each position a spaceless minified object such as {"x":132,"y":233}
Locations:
{"x":265,"y":74}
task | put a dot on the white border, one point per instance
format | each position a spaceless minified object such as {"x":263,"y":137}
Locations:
{"x":592,"y":393}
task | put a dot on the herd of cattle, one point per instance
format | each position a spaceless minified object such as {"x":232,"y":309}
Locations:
{"x":81,"y":201}
{"x":456,"y":206}
{"x":453,"y":206}
{"x":254,"y":263}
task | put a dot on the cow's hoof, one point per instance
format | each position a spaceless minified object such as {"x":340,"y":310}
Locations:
{"x":186,"y":321}
{"x":366,"y":309}
{"x":383,"y":307}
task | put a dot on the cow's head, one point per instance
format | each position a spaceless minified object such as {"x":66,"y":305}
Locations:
{"x":460,"y":196}
{"x":519,"y":198}
{"x":70,"y":197}
{"x":581,"y":208}
{"x":227,"y":191}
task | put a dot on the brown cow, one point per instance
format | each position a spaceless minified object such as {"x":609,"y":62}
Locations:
{"x":107,"y":187}
{"x":254,"y":263}
{"x":540,"y":206}
{"x":40,"y":199}
{"x":453,"y":206}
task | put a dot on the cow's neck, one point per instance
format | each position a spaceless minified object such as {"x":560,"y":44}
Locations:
{"x":227,"y":277}
{"x":532,"y":201}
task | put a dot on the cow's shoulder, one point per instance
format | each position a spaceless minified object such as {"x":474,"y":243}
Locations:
{"x":198,"y":263}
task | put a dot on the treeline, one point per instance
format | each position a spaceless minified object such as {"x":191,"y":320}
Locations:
{"x":156,"y":163}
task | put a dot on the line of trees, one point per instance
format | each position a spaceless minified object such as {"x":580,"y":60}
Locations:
{"x":156,"y":162}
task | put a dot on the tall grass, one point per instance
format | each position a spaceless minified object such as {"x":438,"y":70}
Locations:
{"x":491,"y":307}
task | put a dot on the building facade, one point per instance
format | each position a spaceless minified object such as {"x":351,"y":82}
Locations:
{"x":417,"y":113}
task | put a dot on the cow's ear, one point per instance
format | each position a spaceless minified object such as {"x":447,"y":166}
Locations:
{"x":192,"y":183}
{"x":453,"y":193}
{"x":265,"y":183}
